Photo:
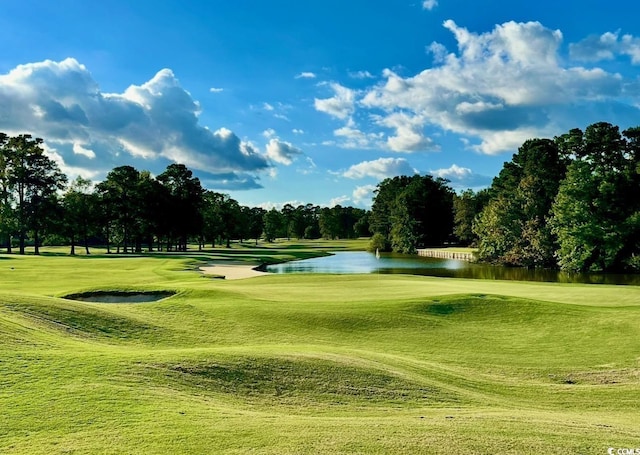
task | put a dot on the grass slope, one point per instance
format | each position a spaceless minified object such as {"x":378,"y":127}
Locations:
{"x":310,"y":363}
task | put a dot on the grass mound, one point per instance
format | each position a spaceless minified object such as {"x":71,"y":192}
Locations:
{"x":301,"y":382}
{"x":88,"y":321}
{"x":120,"y":296}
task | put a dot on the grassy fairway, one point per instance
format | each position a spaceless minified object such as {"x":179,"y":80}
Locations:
{"x":310,"y":363}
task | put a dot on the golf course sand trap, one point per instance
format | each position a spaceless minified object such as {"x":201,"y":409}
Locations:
{"x":120,"y":297}
{"x":232,"y":271}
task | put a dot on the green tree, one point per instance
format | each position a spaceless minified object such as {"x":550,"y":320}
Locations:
{"x":512,"y":228}
{"x":593,"y":216}
{"x":273,"y":224}
{"x":361,"y":226}
{"x":384,"y":201}
{"x":330,"y":222}
{"x":185,"y":201}
{"x":466,"y":208}
{"x":288,"y":214}
{"x":212,"y":228}
{"x":7,"y":212}
{"x":310,"y":221}
{"x":120,"y":201}
{"x":35,"y":178}
{"x":256,"y":222}
{"x":412,"y":212}
{"x":231,"y":215}
{"x":152,"y":220}
{"x":498,"y":228}
{"x":79,"y":209}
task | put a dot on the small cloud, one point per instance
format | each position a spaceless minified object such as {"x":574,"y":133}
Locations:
{"x":454,"y":171}
{"x":429,"y":4}
{"x":606,"y":47}
{"x":297,"y":131}
{"x":306,"y":75}
{"x":380,"y":169}
{"x":269,"y":133}
{"x":310,"y":169}
{"x":363,"y":195}
{"x":408,"y":137}
{"x":340,"y":200}
{"x":216,"y":90}
{"x":267,"y":107}
{"x":279,"y":205}
{"x":462,"y":177}
{"x":341,"y":105}
{"x":438,"y":50}
{"x":80,"y":150}
{"x":361,"y":75}
{"x":282,"y":152}
{"x":282,"y":117}
{"x":231,"y":181}
{"x":353,"y":138}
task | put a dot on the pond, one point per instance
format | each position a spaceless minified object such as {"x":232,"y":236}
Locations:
{"x":364,"y":262}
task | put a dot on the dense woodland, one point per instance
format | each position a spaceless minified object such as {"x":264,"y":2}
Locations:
{"x":571,"y":202}
{"x":131,"y":210}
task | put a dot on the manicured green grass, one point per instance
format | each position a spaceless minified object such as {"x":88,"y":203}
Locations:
{"x":309,"y":363}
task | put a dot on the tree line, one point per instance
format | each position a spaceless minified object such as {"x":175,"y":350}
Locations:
{"x":572,"y":202}
{"x":131,"y":210}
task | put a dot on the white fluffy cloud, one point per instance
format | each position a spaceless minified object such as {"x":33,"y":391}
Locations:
{"x":306,"y":75}
{"x":341,"y":105}
{"x":500,"y":88}
{"x":606,"y":47}
{"x":352,"y":138}
{"x":429,"y":4}
{"x":78,"y":149}
{"x":340,"y":200}
{"x":363,"y":195}
{"x":61,"y":102}
{"x":380,"y":169}
{"x":462,"y":177}
{"x":282,"y":152}
{"x":408,"y":133}
{"x":269,"y":133}
{"x":279,"y":205}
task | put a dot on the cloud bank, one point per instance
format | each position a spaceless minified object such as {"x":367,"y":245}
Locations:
{"x":497,"y":89}
{"x":61,"y":102}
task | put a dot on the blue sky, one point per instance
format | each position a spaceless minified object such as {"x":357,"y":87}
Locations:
{"x":312,"y":102}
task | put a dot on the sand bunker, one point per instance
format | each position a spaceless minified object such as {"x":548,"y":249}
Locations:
{"x":232,"y":271}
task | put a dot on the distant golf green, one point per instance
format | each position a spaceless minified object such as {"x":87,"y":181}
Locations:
{"x":309,"y":363}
